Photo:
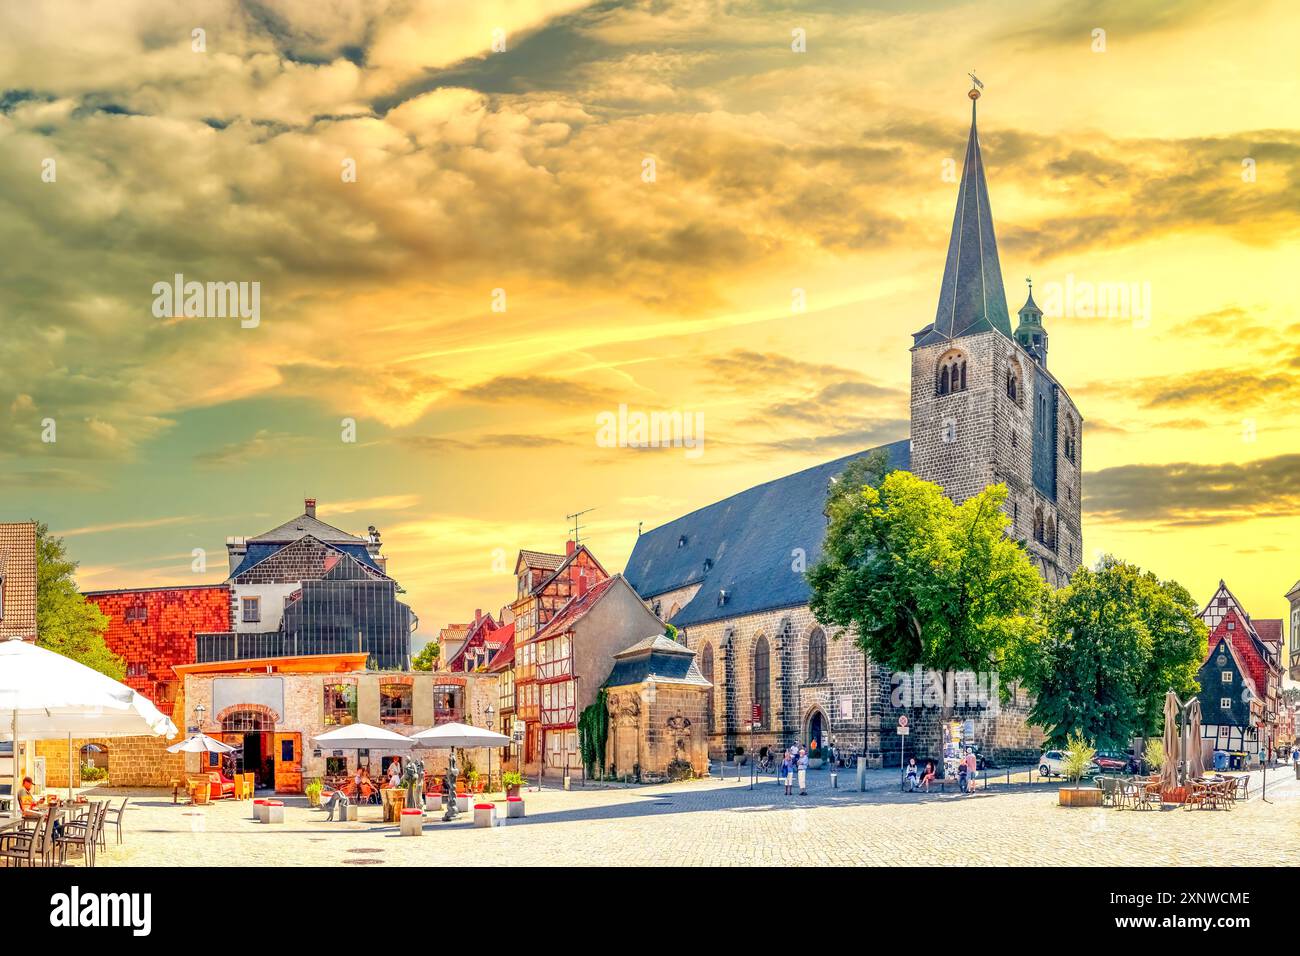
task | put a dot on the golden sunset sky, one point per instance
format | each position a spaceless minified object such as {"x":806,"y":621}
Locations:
{"x":1163,"y":154}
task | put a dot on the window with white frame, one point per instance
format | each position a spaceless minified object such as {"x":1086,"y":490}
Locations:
{"x":1226,"y":677}
{"x":252,"y":609}
{"x":1225,"y":703}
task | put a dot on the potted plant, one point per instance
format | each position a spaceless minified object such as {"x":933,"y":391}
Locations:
{"x":313,"y":791}
{"x":513,"y":781}
{"x":1075,"y":763}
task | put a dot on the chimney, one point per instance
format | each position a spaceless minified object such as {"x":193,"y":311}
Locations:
{"x":570,"y":547}
{"x":478,"y":614}
{"x":582,"y":585}
{"x":309,"y":507}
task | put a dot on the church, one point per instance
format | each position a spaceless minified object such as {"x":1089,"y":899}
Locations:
{"x":985,"y":409}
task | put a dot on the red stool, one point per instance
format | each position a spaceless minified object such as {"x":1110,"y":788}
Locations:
{"x":258,"y":809}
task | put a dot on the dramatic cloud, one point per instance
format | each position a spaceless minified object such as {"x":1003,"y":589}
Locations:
{"x":1187,"y":493}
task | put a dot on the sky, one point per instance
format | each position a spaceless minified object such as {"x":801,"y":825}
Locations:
{"x":477,"y":228}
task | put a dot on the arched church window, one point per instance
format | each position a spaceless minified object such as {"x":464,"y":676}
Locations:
{"x":1038,"y":525}
{"x":763,"y":679}
{"x":1049,"y":538}
{"x":951,"y":375}
{"x":706,"y":668}
{"x":817,"y":655}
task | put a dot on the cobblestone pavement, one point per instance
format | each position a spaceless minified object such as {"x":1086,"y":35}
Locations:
{"x":724,"y":823}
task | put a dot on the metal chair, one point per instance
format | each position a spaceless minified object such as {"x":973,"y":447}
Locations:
{"x":83,"y":832}
{"x":114,"y":815}
{"x":32,"y":847}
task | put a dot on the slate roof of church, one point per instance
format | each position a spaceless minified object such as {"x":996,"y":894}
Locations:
{"x":971,"y":298}
{"x":749,"y":538}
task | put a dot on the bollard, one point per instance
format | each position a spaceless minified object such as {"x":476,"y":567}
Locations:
{"x":273,"y":811}
{"x":412,"y":822}
{"x":835,"y":780}
{"x":514,"y":808}
{"x":485,"y":815}
{"x":862,"y":774}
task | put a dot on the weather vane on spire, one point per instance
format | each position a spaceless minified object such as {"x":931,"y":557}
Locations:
{"x":976,"y":87}
{"x":1030,"y":282}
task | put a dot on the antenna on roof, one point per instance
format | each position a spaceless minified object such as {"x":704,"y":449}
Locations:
{"x":574,"y":518}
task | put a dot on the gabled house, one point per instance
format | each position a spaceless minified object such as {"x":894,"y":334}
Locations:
{"x":306,"y":587}
{"x":1241,"y":678}
{"x":479,"y":647}
{"x":560,"y":668}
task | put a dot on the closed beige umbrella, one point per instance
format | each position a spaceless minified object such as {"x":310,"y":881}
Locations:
{"x":1169,"y":769}
{"x":1194,"y":766}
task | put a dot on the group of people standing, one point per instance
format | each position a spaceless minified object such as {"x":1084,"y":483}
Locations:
{"x":795,"y":761}
{"x":918,"y":780}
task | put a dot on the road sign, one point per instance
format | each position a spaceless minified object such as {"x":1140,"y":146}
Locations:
{"x":904,"y":731}
{"x":517,"y":731}
{"x":902,"y":720}
{"x":757,"y":715}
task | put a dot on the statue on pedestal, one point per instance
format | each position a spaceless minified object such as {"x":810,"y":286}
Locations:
{"x":449,"y":785}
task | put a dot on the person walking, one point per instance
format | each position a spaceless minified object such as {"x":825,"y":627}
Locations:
{"x":971,"y":764}
{"x":803,"y":772}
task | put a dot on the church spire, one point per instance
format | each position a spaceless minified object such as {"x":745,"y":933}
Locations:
{"x":971,"y":298}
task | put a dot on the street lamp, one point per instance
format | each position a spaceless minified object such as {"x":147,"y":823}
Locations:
{"x":199,"y":711}
{"x":490,"y":711}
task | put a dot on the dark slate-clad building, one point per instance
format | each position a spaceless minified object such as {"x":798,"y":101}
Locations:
{"x":985,"y":409}
{"x":307,"y":587}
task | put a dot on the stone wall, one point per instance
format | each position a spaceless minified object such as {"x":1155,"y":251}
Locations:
{"x":653,"y":725}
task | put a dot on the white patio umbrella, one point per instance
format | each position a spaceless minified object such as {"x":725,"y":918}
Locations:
{"x":451,"y":735}
{"x":362,"y":737}
{"x":45,"y":695}
{"x":200,"y":744}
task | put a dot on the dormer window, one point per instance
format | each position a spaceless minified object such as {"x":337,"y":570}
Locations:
{"x":722,"y":597}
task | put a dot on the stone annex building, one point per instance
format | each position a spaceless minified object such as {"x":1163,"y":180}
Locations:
{"x":984,"y":409}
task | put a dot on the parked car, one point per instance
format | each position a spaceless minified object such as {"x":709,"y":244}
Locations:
{"x":1115,"y":761}
{"x":1050,"y":764}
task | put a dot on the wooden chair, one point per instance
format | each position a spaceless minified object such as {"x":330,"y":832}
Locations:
{"x":1242,"y":784}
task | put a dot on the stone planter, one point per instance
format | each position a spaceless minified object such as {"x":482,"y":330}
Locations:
{"x":512,"y":790}
{"x":313,"y":798}
{"x":1083,"y":797}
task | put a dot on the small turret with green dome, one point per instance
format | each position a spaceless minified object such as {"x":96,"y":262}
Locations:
{"x":1030,"y":332}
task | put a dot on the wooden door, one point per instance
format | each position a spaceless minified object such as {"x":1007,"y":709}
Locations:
{"x":288,"y":763}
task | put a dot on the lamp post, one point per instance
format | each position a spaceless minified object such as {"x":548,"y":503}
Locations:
{"x":490,"y":711}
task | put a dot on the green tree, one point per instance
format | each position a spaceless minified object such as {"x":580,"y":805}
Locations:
{"x":427,"y":659}
{"x":1117,"y":639}
{"x":922,"y":580}
{"x":65,"y":621}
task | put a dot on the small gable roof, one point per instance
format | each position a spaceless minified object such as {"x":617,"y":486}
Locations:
{"x":656,"y":658}
{"x":505,"y":656}
{"x":257,"y":553}
{"x":575,"y":608}
{"x":301,"y":527}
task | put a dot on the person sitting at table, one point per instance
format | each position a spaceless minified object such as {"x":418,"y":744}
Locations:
{"x":395,"y":774}
{"x":30,"y":807}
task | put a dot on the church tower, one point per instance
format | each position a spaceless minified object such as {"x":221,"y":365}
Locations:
{"x":984,"y":408}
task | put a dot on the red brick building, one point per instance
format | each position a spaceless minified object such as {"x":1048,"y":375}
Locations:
{"x":153,"y":629}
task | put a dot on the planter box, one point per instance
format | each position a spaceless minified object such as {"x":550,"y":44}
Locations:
{"x":1083,"y":797}
{"x":512,"y":790}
